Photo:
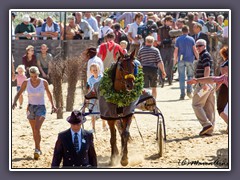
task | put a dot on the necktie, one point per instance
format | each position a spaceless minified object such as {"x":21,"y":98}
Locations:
{"x":76,"y":143}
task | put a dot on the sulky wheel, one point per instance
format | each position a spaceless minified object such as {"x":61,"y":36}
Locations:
{"x":160,"y":139}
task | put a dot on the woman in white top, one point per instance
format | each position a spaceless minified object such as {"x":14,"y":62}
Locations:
{"x":36,"y":110}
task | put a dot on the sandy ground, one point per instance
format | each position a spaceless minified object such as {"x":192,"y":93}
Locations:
{"x":183,"y":148}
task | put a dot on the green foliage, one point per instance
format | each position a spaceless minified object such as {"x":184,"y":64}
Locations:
{"x":57,"y":16}
{"x":122,"y":98}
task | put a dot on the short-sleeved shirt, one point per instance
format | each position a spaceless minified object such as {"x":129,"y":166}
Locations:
{"x":104,"y":31}
{"x":21,"y":28}
{"x":44,"y":61}
{"x":20,"y":79}
{"x":27,"y":63}
{"x":149,"y":56}
{"x":110,"y":45}
{"x":85,"y":26}
{"x":133,"y":28}
{"x":128,"y":18}
{"x":205,"y":60}
{"x":93,"y":23}
{"x":185,"y":44}
{"x":92,"y":80}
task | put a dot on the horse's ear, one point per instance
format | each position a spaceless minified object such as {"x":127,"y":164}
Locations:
{"x":132,"y":54}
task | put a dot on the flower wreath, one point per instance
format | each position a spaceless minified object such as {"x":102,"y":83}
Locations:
{"x":122,"y":98}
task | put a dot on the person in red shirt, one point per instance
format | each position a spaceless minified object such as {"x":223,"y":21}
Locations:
{"x":108,"y":51}
{"x":29,"y":59}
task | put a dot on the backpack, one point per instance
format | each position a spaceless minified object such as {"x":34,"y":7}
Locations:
{"x":123,"y":37}
{"x":120,"y":36}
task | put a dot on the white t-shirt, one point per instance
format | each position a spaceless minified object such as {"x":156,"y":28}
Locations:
{"x":50,"y":29}
{"x":103,"y":31}
{"x":133,"y":29}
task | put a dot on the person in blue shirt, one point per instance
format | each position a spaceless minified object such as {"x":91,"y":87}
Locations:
{"x":185,"y":53}
{"x":50,"y":29}
{"x":94,"y":104}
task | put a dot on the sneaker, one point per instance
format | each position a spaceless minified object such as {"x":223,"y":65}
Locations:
{"x":189,"y":95}
{"x":37,"y":153}
{"x":205,"y":130}
{"x":181,"y":98}
{"x":170,"y":82}
{"x":162,"y":85}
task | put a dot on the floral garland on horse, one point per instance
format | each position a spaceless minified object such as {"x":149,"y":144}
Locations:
{"x":122,"y":98}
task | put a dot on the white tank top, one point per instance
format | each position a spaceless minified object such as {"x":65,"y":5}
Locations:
{"x":36,"y":95}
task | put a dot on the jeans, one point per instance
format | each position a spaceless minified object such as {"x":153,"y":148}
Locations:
{"x":167,"y":57}
{"x":181,"y":71}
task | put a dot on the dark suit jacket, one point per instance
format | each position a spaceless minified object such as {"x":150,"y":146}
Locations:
{"x":202,"y":36}
{"x":64,"y":150}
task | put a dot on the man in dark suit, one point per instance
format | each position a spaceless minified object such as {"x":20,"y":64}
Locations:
{"x":75,"y":146}
{"x":197,"y":28}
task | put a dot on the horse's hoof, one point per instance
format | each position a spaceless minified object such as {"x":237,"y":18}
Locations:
{"x":124,"y":162}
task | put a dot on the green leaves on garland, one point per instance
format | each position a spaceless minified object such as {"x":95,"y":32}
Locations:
{"x":122,"y":98}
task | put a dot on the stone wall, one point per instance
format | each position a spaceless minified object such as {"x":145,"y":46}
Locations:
{"x":73,"y":47}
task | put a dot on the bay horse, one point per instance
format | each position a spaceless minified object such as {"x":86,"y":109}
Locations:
{"x":123,"y":80}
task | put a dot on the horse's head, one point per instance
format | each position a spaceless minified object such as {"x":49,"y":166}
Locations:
{"x":124,"y":77}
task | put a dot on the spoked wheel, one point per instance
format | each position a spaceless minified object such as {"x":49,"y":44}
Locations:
{"x":160,"y":139}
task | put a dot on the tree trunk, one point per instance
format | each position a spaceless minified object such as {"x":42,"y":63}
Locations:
{"x":71,"y":94}
{"x":57,"y":94}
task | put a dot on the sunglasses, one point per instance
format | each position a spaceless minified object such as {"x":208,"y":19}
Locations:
{"x":199,"y":45}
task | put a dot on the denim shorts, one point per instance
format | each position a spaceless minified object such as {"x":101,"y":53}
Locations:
{"x":36,"y":111}
{"x":18,"y":88}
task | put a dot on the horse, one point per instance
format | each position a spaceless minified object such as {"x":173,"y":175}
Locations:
{"x":122,"y":76}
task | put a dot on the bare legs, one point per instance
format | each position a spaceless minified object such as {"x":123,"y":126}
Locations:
{"x":36,"y":126}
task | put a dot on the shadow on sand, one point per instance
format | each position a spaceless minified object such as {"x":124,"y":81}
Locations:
{"x":22,"y":159}
{"x":191,"y":137}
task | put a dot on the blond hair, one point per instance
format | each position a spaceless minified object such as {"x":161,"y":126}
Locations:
{"x":29,"y":47}
{"x":44,"y":45}
{"x":149,"y":39}
{"x":124,"y":42}
{"x":94,"y":65}
{"x":34,"y":70}
{"x":21,"y":66}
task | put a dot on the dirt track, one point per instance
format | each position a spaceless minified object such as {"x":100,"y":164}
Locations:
{"x":183,"y":148}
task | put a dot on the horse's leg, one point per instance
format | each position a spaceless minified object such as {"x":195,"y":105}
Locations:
{"x":126,"y":122}
{"x":113,"y":142}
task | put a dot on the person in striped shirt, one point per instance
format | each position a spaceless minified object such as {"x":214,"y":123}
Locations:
{"x":151,"y":60}
{"x":203,"y":101}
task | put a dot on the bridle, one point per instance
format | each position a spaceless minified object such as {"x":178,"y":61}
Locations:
{"x":125,"y":73}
